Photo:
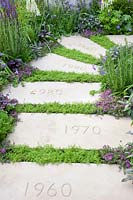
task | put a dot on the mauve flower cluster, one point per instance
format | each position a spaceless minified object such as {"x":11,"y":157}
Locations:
{"x":109,"y":103}
{"x":88,"y":33}
{"x":5,"y":102}
{"x":19,"y":69}
{"x":120,"y":155}
{"x":8,"y":9}
{"x":2,"y":150}
{"x":5,"y":146}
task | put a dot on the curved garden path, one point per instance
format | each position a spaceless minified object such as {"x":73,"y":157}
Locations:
{"x":30,"y":181}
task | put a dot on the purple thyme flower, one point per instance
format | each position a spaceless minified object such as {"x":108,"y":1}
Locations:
{"x":122,"y":156}
{"x":108,"y":156}
{"x":2,"y":150}
{"x":128,"y":164}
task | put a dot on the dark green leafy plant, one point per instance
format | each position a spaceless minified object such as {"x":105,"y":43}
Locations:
{"x":126,"y":6}
{"x":89,"y":22}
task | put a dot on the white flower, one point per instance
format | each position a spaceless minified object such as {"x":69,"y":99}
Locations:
{"x":32,"y":7}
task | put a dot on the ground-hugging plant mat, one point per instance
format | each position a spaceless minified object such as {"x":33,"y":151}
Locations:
{"x":121,"y":39}
{"x":61,"y":131}
{"x":29,"y":181}
{"x":53,"y":62}
{"x":84,"y":45}
{"x":47,"y":92}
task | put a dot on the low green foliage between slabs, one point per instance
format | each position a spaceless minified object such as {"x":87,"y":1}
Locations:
{"x":57,"y":108}
{"x":39,"y":75}
{"x":75,"y":54}
{"x":102,"y":40}
{"x":6,"y":125}
{"x":48,"y":154}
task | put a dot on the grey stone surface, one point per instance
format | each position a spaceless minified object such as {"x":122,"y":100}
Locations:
{"x":28,"y":181}
{"x":53,"y":62}
{"x":44,"y":92}
{"x":120,"y":39}
{"x":83,"y":44}
{"x":86,"y":131}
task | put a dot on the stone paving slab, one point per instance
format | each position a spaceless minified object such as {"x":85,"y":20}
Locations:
{"x":29,"y":181}
{"x":120,"y":39}
{"x":59,"y":130}
{"x":83,"y":44}
{"x":53,"y":62}
{"x":45,"y":92}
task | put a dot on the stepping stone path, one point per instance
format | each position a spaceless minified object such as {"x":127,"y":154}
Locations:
{"x":45,"y":92}
{"x":89,"y":132}
{"x":121,"y":39}
{"x":30,"y":181}
{"x":84,"y":45}
{"x":53,"y":62}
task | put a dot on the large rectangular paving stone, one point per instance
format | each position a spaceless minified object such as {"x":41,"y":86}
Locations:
{"x":53,"y":62}
{"x":84,"y":45}
{"x":120,"y":39}
{"x":59,"y":130}
{"x":48,"y":92}
{"x":28,"y":181}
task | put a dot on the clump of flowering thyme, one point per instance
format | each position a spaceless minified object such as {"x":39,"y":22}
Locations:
{"x":121,"y":155}
{"x":109,"y":104}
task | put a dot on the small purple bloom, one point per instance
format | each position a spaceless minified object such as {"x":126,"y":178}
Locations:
{"x":118,"y":27}
{"x":122,"y":157}
{"x":2,"y":150}
{"x":108,"y":156}
{"x":128,"y":164}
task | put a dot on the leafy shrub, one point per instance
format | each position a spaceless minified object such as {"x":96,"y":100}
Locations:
{"x":118,"y":66}
{"x":63,"y":17}
{"x":126,"y":6}
{"x":20,"y":69}
{"x":60,"y":18}
{"x":89,"y":22}
{"x":115,"y":22}
{"x":13,"y":70}
{"x":6,"y":125}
